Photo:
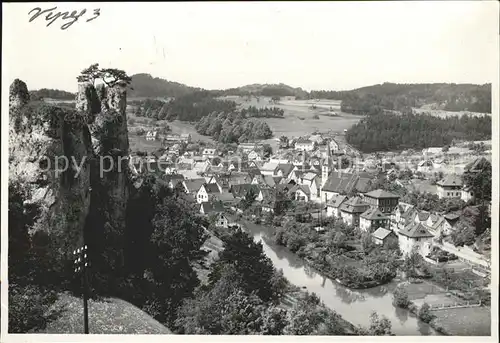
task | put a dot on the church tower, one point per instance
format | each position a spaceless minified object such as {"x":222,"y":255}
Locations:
{"x":327,"y":162}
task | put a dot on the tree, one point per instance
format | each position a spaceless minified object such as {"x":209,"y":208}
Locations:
{"x":400,"y":297}
{"x":425,"y":313}
{"x":113,"y":76}
{"x":90,"y":74}
{"x":379,"y":326}
{"x":479,"y":181}
{"x":464,"y":236}
{"x":267,"y":150}
{"x":248,"y":257}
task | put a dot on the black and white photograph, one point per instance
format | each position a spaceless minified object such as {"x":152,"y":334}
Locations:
{"x":249,"y":169}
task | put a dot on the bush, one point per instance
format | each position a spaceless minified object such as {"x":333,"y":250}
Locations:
{"x":30,"y":308}
{"x":425,"y":313}
{"x":131,"y":121}
{"x":140,"y":132}
{"x":315,"y":116}
{"x":400,"y":297}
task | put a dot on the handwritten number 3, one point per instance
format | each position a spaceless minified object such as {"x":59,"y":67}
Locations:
{"x":97,"y":12}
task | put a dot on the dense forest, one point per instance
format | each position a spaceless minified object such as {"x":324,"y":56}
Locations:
{"x":386,"y":132}
{"x":232,"y":128}
{"x":266,"y":90}
{"x":393,"y":96}
{"x":51,"y":94}
{"x":189,"y":107}
{"x":144,"y":85}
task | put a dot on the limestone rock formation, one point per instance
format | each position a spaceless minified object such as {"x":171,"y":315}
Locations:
{"x":41,"y":139}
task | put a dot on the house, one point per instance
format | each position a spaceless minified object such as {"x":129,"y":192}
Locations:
{"x":334,"y":146}
{"x":240,"y":190}
{"x":255,"y":156}
{"x":224,"y":197}
{"x":317,"y":138}
{"x":333,"y":205}
{"x":303,"y":144}
{"x":310,"y":180}
{"x":206,"y":190}
{"x":449,"y":187}
{"x":247,"y":147}
{"x":284,"y":170}
{"x":264,"y":180}
{"x":467,"y":194}
{"x":238,"y":166}
{"x":432,"y":151}
{"x":152,"y":135}
{"x":185,"y":137}
{"x":268,"y":206}
{"x":381,"y":236}
{"x":351,"y":209}
{"x":415,"y":237}
{"x":221,"y":220}
{"x":301,"y":193}
{"x":425,"y":166}
{"x":207,"y":208}
{"x":201,"y":167}
{"x":268,"y":168}
{"x":192,"y":186}
{"x":174,"y":180}
{"x":403,"y":214}
{"x":344,"y":183}
{"x":372,"y":219}
{"x":385,"y":201}
{"x":209,"y":153}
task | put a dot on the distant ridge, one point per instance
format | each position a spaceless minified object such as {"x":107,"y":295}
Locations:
{"x":144,"y":85}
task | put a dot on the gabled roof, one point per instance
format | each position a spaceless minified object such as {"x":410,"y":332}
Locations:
{"x":241,"y":190}
{"x":193,"y":185}
{"x":209,"y":207}
{"x":345,"y":183}
{"x":381,"y":233}
{"x":374,"y":214}
{"x":277,"y":179}
{"x":336,"y":201}
{"x":354,"y":205}
{"x":211,"y":188}
{"x":224,"y":196}
{"x":450,"y":180}
{"x":303,"y":141}
{"x":303,"y":188}
{"x":415,"y":230}
{"x":309,"y":176}
{"x":286,"y":168}
{"x":381,"y":194}
{"x":271,"y":166}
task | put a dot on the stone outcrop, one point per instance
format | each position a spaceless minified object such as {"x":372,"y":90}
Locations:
{"x":41,"y":138}
{"x":89,"y":195}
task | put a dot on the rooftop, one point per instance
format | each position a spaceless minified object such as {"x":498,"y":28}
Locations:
{"x":451,"y":180}
{"x":374,"y":214}
{"x":354,"y":205}
{"x":381,"y":233}
{"x":381,"y":194}
{"x":415,"y":230}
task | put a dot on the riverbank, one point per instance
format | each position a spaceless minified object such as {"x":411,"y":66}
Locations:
{"x":340,"y":253}
{"x":353,"y":305}
{"x":289,"y":299}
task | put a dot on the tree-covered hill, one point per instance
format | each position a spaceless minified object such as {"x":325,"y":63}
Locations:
{"x":388,"y":132}
{"x":393,"y":96}
{"x":51,"y":94}
{"x":144,"y":85}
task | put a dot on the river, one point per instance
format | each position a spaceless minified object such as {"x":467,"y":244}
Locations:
{"x":354,"y":305}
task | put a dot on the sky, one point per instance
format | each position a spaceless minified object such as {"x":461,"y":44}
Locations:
{"x":322,"y":45}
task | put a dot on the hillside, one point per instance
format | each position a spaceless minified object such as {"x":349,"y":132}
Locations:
{"x":108,"y":316}
{"x":393,"y":96}
{"x":144,"y":85}
{"x":55,"y":94}
{"x":266,"y":90}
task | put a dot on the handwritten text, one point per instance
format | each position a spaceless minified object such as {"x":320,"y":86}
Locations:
{"x":51,"y":16}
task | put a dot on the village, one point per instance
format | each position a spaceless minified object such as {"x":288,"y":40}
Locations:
{"x":331,"y":180}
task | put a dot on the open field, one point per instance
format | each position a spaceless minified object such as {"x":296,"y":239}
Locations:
{"x":443,"y":114}
{"x":472,"y":321}
{"x":108,"y":316}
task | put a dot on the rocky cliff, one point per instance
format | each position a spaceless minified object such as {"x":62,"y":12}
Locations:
{"x":91,"y":193}
{"x":42,"y":138}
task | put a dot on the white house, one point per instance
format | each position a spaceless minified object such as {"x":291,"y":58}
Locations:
{"x":268,"y":168}
{"x":305,"y":145}
{"x":425,"y":166}
{"x":333,"y":205}
{"x":301,"y":193}
{"x":255,"y":156}
{"x":209,"y":153}
{"x":372,"y":219}
{"x":450,"y":187}
{"x":351,"y":209}
{"x":205,"y":191}
{"x":381,"y":235}
{"x":311,"y":181}
{"x":467,"y":194}
{"x":415,"y":237}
